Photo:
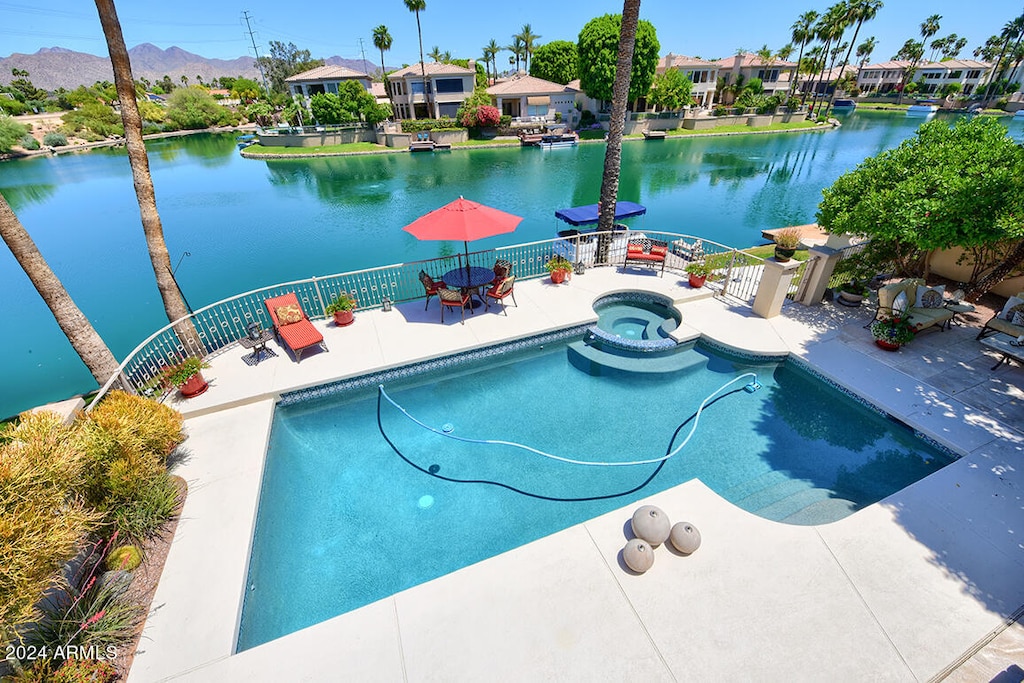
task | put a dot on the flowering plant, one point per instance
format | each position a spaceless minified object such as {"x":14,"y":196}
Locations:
{"x":897,"y":331}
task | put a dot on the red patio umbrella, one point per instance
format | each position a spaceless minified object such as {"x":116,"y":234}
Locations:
{"x":463,"y":220}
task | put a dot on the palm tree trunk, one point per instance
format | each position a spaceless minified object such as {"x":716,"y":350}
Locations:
{"x":423,"y":72}
{"x":842,"y":68}
{"x":83,"y":337}
{"x":387,"y":88}
{"x":796,"y":79}
{"x":815,"y":82}
{"x":616,"y":126}
{"x":174,"y":302}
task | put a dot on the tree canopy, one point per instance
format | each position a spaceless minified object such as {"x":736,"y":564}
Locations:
{"x":284,"y":61}
{"x":597,"y":49}
{"x":193,"y":108}
{"x":352,"y":103}
{"x":670,"y":90}
{"x":946,"y":187}
{"x":556,"y":61}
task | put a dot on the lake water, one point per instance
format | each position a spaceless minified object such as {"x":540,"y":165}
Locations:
{"x":250,"y":223}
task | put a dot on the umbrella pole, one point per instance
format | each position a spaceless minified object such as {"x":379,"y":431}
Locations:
{"x":465,"y":245}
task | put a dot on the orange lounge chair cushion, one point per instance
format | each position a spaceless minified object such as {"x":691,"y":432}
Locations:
{"x":659,"y":251}
{"x":300,"y":335}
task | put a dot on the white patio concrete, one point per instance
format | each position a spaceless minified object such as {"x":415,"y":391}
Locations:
{"x":902,"y":590}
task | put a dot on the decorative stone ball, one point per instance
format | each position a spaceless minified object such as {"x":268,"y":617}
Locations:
{"x":685,"y":537}
{"x":639,"y":555}
{"x":651,"y":524}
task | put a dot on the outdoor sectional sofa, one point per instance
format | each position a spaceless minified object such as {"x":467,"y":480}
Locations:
{"x":920,"y":317}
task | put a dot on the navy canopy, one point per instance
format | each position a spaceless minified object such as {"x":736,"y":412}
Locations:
{"x":585,"y":215}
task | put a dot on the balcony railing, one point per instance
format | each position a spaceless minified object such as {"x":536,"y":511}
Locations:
{"x":223,"y":323}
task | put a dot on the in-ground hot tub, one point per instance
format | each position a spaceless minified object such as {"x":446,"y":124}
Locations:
{"x":641,"y":321}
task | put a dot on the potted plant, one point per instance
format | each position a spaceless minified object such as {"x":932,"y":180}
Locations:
{"x":341,"y":308}
{"x":892,"y":334}
{"x":852,"y":293}
{"x":698,"y":272}
{"x":187,"y":376}
{"x":786,"y":243}
{"x":559,"y":267}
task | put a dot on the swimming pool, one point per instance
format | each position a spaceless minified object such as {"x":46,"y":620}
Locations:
{"x":345,"y":519}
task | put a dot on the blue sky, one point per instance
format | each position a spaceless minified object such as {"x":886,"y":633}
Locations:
{"x":705,"y":29}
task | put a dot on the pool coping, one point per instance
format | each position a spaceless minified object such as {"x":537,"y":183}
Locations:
{"x":238,"y":435}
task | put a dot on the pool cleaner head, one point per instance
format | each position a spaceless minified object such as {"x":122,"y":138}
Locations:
{"x":752,"y":387}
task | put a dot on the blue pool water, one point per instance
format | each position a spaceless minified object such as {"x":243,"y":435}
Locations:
{"x":345,"y":519}
{"x":636,"y":320}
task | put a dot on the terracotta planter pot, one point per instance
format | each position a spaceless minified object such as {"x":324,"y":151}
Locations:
{"x":888,"y":346}
{"x":194,"y":386}
{"x":343,"y":318}
{"x":558,"y":276}
{"x":697,"y":281}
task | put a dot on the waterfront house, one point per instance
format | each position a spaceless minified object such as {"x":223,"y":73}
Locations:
{"x":776,"y":75}
{"x":449,"y":85}
{"x":967,"y":72}
{"x":702,"y":74}
{"x":529,"y":99}
{"x":324,"y":79}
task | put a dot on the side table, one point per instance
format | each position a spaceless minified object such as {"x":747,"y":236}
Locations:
{"x":957,"y":309}
{"x":257,"y":344}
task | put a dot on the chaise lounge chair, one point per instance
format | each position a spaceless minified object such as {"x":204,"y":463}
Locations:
{"x":291,"y":324}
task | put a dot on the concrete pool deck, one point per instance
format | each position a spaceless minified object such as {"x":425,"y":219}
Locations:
{"x":902,"y":590}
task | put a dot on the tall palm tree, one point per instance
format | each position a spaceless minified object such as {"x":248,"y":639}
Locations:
{"x":417,"y":6}
{"x":174,"y":302}
{"x":382,"y":41}
{"x":617,"y":123}
{"x":516,"y":48}
{"x":859,"y":11}
{"x":785,"y":52}
{"x":829,"y":30}
{"x":865,"y":49}
{"x":929,"y":27}
{"x":491,"y":51}
{"x":83,"y":337}
{"x":803,"y":33}
{"x":528,"y":39}
{"x":435,"y":53}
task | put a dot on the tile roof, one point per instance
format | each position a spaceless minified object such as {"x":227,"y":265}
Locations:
{"x":432,"y":69}
{"x":892,"y":64}
{"x":671,"y":61}
{"x":326,"y":73}
{"x":522,"y":84}
{"x":748,"y":59}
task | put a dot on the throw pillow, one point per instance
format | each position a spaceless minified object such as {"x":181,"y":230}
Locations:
{"x":286,"y":315}
{"x":1018,"y":318}
{"x":1011,"y":303}
{"x":900,"y":305}
{"x":930,"y":297}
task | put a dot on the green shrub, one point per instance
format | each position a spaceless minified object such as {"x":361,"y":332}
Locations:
{"x":85,"y":671}
{"x":55,"y":140}
{"x":12,"y":107}
{"x":10,"y":133}
{"x":194,"y":108}
{"x":93,"y":121}
{"x":139,"y":507}
{"x":28,"y":142}
{"x":42,"y":517}
{"x":128,"y":418}
{"x":126,"y":558}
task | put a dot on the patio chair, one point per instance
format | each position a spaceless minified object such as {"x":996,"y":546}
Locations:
{"x":500,"y":291}
{"x":502,"y":269}
{"x":430,"y":286}
{"x":292,"y":327}
{"x":451,"y":298}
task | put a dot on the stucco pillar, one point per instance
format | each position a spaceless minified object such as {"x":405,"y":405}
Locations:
{"x":771,"y":291}
{"x":816,"y":279}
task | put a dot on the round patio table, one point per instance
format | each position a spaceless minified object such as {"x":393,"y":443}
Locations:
{"x":477,"y":277}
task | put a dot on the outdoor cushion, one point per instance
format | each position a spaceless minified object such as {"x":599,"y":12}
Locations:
{"x":1011,"y":303}
{"x":930,"y":297}
{"x":634,"y":249}
{"x":659,"y":251}
{"x":286,"y":315}
{"x":900,"y":304}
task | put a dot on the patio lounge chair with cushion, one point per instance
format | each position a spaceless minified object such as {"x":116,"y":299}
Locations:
{"x":291,"y":324}
{"x":646,"y":252}
{"x":430,"y":286}
{"x":450,"y":298}
{"x":1009,"y":321}
{"x":922,"y":306}
{"x":500,"y":291}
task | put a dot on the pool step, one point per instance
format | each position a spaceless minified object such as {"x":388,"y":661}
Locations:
{"x":822,"y":512}
{"x":595,"y":361}
{"x":775,"y":496}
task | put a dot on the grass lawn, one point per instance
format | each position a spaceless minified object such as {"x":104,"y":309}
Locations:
{"x":743,"y":128}
{"x":349,"y":148}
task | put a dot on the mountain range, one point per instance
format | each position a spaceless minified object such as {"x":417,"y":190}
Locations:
{"x":56,"y":67}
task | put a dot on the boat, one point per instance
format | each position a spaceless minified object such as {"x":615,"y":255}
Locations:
{"x":530,"y":138}
{"x":844,"y":104}
{"x":552,"y":140}
{"x":1019,"y":115}
{"x":246,"y":140}
{"x":922,"y":108}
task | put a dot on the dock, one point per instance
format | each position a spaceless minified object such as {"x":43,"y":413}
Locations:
{"x":654,"y":134}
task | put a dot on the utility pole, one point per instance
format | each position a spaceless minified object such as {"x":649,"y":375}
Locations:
{"x":363,"y":53}
{"x":259,"y":65}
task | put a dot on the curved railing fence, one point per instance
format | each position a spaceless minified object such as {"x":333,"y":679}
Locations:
{"x":225,"y":322}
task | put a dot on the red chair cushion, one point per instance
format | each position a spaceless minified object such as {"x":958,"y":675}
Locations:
{"x":659,"y":251}
{"x":300,"y":335}
{"x":632,"y":249}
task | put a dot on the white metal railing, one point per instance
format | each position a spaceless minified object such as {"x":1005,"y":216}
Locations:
{"x":224,"y":322}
